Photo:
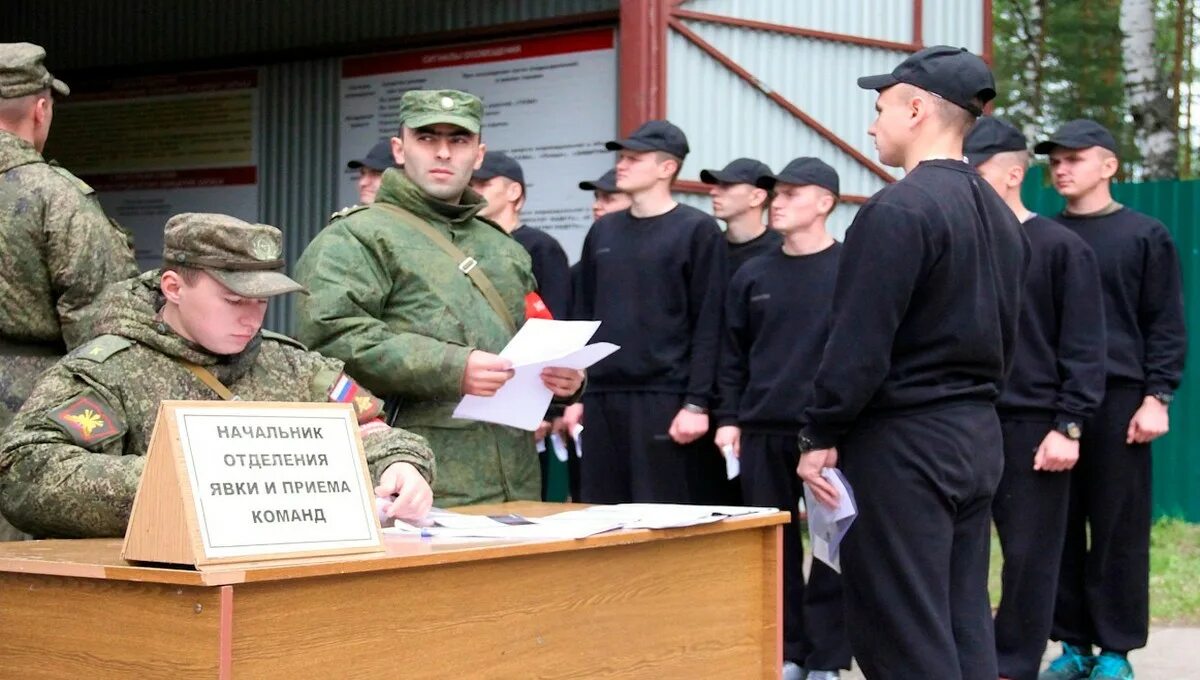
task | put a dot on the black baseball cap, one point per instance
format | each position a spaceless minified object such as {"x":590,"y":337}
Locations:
{"x":499,"y":164}
{"x":740,"y":171}
{"x":655,"y":135}
{"x":989,"y":137}
{"x":1078,"y":134}
{"x":802,"y":171}
{"x":378,"y":158}
{"x":952,"y":73}
{"x":607,"y":183}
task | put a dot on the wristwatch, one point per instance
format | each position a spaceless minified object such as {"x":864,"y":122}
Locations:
{"x":692,"y":408}
{"x":1165,"y":398}
{"x":1069,"y":429}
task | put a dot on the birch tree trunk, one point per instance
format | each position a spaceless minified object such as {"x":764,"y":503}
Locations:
{"x":1146,"y":92}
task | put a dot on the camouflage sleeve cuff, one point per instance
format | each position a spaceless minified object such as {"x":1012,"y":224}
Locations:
{"x":454,"y":367}
{"x":394,"y":445}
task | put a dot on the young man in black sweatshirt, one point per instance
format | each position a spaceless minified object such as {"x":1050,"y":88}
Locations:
{"x":655,"y":275}
{"x":923,"y":332}
{"x":1056,"y":383}
{"x":1103,"y":591}
{"x":776,"y":322}
{"x":740,"y":204}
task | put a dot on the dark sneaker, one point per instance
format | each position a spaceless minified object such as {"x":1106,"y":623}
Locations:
{"x":1112,"y":666}
{"x":1075,"y":663}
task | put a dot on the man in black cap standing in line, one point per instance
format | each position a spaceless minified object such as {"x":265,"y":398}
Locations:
{"x":1056,"y":383}
{"x":776,"y":323}
{"x":923,"y":332}
{"x":501,"y":182}
{"x":655,"y":275}
{"x":605,"y":194}
{"x":370,"y":170}
{"x":1103,"y":590}
{"x":738,"y":202}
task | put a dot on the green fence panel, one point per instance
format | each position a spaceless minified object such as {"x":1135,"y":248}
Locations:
{"x":1177,"y":205}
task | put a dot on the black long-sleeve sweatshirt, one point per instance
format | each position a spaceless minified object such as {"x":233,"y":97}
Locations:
{"x":1143,"y":298}
{"x":776,"y":322}
{"x":658,"y":285}
{"x":550,"y":268}
{"x":926,"y":303}
{"x":1058,"y":367}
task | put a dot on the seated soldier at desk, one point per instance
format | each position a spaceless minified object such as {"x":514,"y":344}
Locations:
{"x":71,"y":460}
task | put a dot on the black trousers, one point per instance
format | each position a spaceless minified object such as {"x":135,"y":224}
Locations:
{"x":1104,"y":587}
{"x":814,"y":629}
{"x":629,"y":457}
{"x":915,"y":562}
{"x":1030,"y":512}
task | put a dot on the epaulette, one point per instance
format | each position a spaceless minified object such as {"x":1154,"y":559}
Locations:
{"x":347,"y":211}
{"x":99,"y":349}
{"x":84,"y":188}
{"x":280,"y":337}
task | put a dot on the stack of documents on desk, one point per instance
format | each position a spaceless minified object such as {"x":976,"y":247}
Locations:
{"x":573,"y":523}
{"x":665,"y":515}
{"x":442,"y":523}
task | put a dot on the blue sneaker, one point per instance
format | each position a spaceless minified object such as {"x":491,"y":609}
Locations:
{"x":1076,"y":663}
{"x":1112,"y":666}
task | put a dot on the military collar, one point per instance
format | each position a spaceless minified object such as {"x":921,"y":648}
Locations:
{"x":15,"y":152}
{"x":397,"y":189}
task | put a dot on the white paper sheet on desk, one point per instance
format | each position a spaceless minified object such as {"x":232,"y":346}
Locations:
{"x":540,"y":343}
{"x":827,"y":526}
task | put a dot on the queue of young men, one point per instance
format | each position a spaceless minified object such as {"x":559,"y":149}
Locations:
{"x":960,"y":358}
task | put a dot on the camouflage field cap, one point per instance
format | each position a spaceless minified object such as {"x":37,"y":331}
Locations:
{"x":419,"y":108}
{"x":22,"y":72}
{"x":246,"y":258}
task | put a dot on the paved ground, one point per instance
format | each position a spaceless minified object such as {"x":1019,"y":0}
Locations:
{"x":1173,"y":654}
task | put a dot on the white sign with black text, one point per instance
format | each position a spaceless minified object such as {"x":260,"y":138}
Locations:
{"x":272,"y":480}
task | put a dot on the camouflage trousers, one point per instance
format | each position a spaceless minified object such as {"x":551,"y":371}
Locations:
{"x":18,"y":375}
{"x":482,"y":463}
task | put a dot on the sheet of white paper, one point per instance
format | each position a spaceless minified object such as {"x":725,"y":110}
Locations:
{"x":577,"y":435}
{"x":733,"y":466}
{"x":523,"y":400}
{"x":559,"y":446}
{"x":827,"y":526}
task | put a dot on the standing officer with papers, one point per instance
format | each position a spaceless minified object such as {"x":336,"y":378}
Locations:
{"x":418,"y":294}
{"x":924,"y":323}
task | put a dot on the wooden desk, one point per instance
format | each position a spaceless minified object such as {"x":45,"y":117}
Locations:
{"x":701,"y":602}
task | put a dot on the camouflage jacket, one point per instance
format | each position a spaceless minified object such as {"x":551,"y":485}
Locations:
{"x":66,"y":472}
{"x":57,"y":249}
{"x":392,"y":305}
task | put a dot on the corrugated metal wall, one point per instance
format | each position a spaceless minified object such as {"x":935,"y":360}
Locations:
{"x":297,"y":151}
{"x":1177,"y":205}
{"x":725,"y":117}
{"x":97,"y":33}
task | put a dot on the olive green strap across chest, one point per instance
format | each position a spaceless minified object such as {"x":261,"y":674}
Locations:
{"x":209,"y":379}
{"x":466,"y":264}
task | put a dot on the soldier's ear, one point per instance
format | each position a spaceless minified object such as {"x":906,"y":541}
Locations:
{"x":398,"y":149}
{"x":170,"y":284}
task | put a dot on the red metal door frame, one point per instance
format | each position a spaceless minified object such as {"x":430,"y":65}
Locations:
{"x":643,"y":65}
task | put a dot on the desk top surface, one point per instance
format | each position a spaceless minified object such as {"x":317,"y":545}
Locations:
{"x":101,"y":558}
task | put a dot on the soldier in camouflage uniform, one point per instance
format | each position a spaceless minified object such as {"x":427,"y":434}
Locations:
{"x":57,"y":249}
{"x":408,"y":322}
{"x":71,"y":460}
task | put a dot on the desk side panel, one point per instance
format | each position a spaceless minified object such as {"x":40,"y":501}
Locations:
{"x":63,"y":627}
{"x":689,"y":607}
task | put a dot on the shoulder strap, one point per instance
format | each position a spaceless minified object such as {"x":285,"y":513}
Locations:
{"x":209,"y":379}
{"x":467,"y":265}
